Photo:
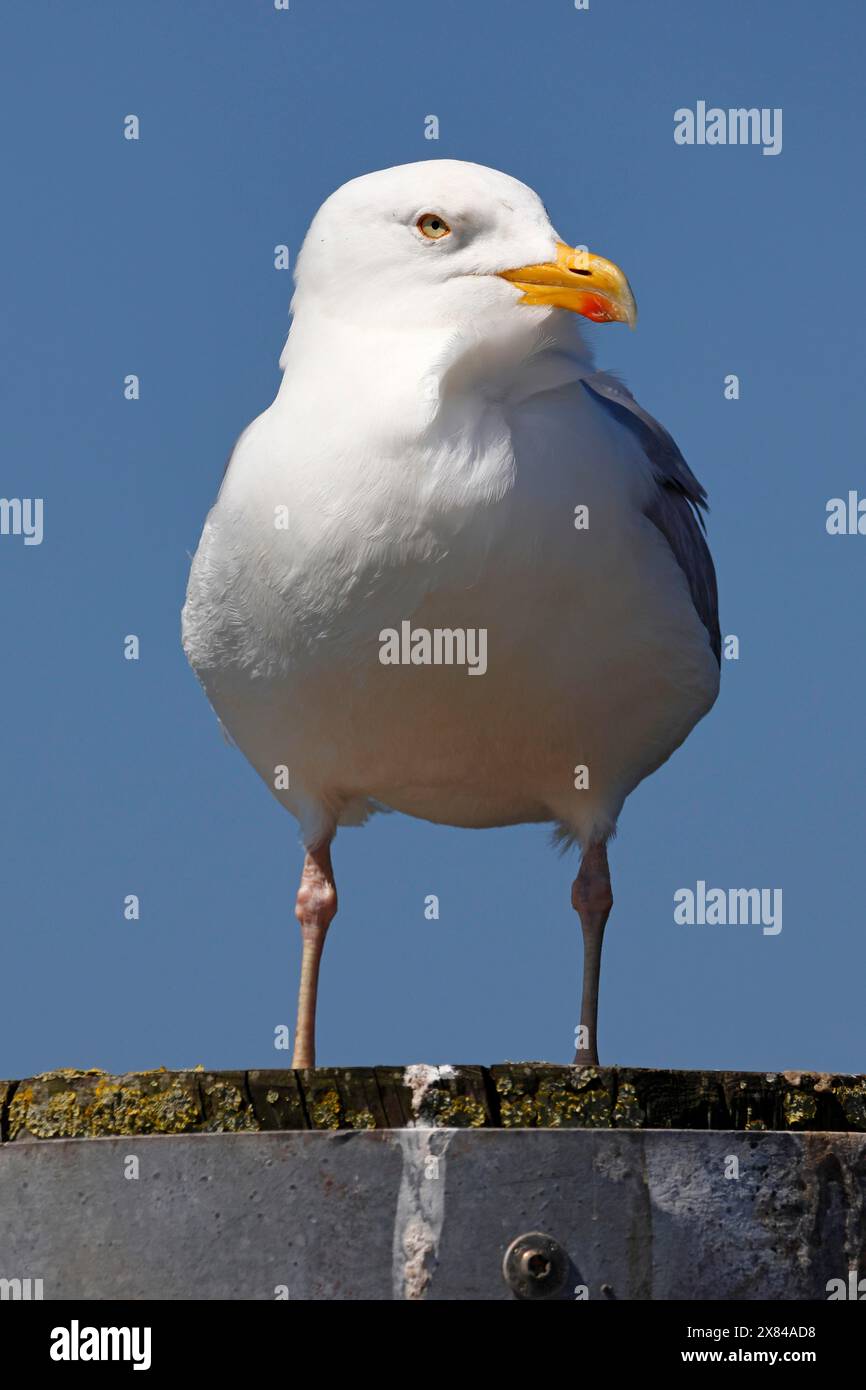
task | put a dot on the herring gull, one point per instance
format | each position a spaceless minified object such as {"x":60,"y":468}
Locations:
{"x":453,"y":570}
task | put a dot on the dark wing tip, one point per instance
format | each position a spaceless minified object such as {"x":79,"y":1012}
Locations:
{"x":679,"y":502}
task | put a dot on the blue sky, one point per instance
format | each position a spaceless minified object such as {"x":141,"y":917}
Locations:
{"x":156,"y":257}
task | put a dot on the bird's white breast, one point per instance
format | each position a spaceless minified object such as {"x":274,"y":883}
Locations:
{"x":449,"y":506}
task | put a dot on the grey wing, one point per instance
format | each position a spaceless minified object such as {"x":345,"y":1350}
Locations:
{"x":677,"y":503}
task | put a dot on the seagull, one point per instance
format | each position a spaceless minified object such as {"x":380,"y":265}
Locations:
{"x":453,"y":570}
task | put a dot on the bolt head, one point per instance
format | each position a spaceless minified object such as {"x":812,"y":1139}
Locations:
{"x":535,"y":1266}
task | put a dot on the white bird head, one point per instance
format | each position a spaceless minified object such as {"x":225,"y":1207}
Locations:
{"x":444,"y":243}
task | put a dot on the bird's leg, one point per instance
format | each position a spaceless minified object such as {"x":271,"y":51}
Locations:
{"x":315,"y":909}
{"x":592,"y":899}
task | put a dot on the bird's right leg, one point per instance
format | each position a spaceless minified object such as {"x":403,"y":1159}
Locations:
{"x":315,"y":909}
{"x":592,"y":899}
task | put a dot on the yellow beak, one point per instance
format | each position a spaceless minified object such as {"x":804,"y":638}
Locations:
{"x":579,"y":281}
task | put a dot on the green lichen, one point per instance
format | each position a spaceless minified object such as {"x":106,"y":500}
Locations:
{"x":142,"y":1108}
{"x":447,"y":1111}
{"x":517,"y":1108}
{"x":571,"y":1102}
{"x":55,"y":1117}
{"x":798,"y":1108}
{"x":853,"y":1101}
{"x":115,"y":1105}
{"x":230,"y":1112}
{"x":326,"y":1111}
{"x":360,"y":1119}
{"x":75,"y":1073}
{"x":627,"y":1113}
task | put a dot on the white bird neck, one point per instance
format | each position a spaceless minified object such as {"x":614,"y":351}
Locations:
{"x":414,"y":376}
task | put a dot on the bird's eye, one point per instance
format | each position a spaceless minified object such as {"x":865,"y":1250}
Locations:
{"x":432,"y":226}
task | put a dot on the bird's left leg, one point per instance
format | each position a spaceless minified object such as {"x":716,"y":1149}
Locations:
{"x":592,"y":899}
{"x":315,"y":909}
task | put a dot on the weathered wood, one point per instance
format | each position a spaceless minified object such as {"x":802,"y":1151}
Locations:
{"x":67,"y":1104}
{"x":226,"y":1102}
{"x":539,"y":1095}
{"x":277,"y":1099}
{"x":535,"y":1095}
{"x":396,"y":1096}
{"x":342,"y":1098}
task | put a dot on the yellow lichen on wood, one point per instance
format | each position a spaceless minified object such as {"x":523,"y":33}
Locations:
{"x":140,"y":1104}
